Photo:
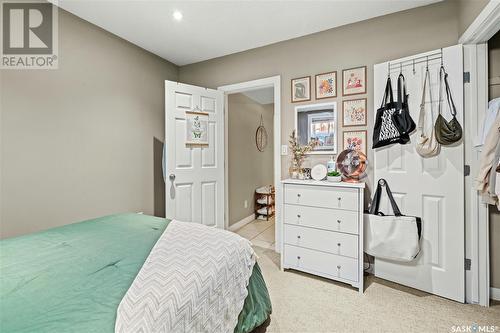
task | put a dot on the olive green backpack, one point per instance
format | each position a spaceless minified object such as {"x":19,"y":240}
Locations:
{"x":447,"y":132}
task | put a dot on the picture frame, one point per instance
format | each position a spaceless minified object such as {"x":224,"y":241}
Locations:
{"x":196,"y":128}
{"x":318,"y":122}
{"x":355,"y":140}
{"x":354,"y":81}
{"x":325,"y":85}
{"x":354,"y":112}
{"x":301,"y":89}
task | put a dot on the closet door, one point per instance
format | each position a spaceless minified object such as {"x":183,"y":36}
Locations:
{"x":431,"y":188}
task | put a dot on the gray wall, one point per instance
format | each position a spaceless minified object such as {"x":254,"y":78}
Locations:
{"x":363,"y":43}
{"x":468,"y":10}
{"x":494,"y":71}
{"x":248,"y":167}
{"x":78,"y":142}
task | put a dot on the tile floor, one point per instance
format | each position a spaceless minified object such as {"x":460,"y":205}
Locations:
{"x":260,"y":233}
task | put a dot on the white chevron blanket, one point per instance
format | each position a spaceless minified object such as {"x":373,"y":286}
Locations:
{"x":194,"y":280}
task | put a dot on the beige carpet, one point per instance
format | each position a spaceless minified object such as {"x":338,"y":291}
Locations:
{"x":304,"y":303}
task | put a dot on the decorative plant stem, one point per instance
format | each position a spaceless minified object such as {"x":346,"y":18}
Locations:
{"x":299,"y":152}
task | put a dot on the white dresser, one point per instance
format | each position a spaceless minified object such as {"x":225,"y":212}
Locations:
{"x":322,"y":229}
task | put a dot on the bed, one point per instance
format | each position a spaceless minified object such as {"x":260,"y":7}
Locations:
{"x":72,"y":278}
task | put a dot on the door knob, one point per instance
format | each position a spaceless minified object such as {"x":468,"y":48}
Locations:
{"x":171,"y":177}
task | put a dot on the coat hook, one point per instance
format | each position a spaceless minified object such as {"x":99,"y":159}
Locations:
{"x":441,"y":57}
{"x":427,"y":62}
{"x":414,"y":72}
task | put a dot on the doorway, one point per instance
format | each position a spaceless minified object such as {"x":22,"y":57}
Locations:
{"x":252,"y":164}
{"x":475,"y":40}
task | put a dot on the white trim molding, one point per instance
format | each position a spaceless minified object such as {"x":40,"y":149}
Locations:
{"x":495,"y":293}
{"x":477,"y":279}
{"x":486,"y":24}
{"x":241,"y":223}
{"x":274,"y":82}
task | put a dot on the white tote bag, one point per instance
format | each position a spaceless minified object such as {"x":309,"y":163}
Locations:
{"x":427,"y":144}
{"x":395,"y":237}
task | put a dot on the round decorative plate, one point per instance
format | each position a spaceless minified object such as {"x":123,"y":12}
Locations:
{"x":318,"y":172}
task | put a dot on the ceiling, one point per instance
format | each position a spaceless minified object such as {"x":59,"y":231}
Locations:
{"x":211,"y":29}
{"x":261,"y":95}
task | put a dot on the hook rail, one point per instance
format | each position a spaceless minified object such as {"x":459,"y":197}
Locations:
{"x":395,"y":66}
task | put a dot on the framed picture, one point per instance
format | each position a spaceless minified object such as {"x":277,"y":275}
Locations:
{"x":354,"y":112}
{"x":196,"y":128}
{"x":326,"y":85}
{"x":301,"y":89}
{"x":355,"y":140}
{"x":354,"y":81}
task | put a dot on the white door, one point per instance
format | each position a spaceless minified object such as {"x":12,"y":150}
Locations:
{"x":431,"y":188}
{"x":194,"y":173}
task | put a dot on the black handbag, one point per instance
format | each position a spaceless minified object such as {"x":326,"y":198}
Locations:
{"x":447,"y":132}
{"x":385,"y":131}
{"x":402,"y":118}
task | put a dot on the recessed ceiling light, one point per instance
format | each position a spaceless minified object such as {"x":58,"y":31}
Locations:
{"x":177,"y":15}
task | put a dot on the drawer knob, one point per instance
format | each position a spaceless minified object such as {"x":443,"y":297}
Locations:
{"x":339,"y":198}
{"x":338,"y":244}
{"x":338,"y":266}
{"x":298,"y":195}
{"x":298,"y":215}
{"x":338,"y":221}
{"x":298,"y":257}
{"x":298,"y":236}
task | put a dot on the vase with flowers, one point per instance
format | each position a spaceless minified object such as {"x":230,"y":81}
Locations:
{"x":298,"y":155}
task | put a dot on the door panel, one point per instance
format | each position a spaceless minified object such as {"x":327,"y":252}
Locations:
{"x":194,"y":174}
{"x":431,"y":188}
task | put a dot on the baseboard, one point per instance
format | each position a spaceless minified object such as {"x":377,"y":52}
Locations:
{"x":241,"y":223}
{"x":495,"y":293}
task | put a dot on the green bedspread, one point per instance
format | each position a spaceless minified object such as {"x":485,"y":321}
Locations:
{"x":72,"y":278}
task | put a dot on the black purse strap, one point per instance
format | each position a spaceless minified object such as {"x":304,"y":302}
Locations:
{"x":451,"y":104}
{"x":402,"y":96}
{"x":387,"y":93}
{"x":374,"y":207}
{"x":443,"y":76}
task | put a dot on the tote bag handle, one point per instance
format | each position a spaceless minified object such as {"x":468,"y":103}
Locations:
{"x":374,"y":208}
{"x":402,"y":96}
{"x":387,"y":93}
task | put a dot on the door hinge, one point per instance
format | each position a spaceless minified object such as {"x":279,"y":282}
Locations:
{"x":466,"y":77}
{"x":467,"y":264}
{"x":466,"y":170}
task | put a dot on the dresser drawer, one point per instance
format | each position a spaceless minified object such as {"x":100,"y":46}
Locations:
{"x":323,"y":218}
{"x":320,"y":262}
{"x":322,"y":196}
{"x":322,"y":240}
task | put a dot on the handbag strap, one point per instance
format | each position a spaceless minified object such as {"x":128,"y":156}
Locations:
{"x":449,"y":97}
{"x":374,"y":208}
{"x":443,"y":76}
{"x":402,"y":96}
{"x":387,"y":93}
{"x":421,"y":117}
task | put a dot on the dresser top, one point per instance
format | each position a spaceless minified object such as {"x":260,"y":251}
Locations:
{"x":323,"y":183}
